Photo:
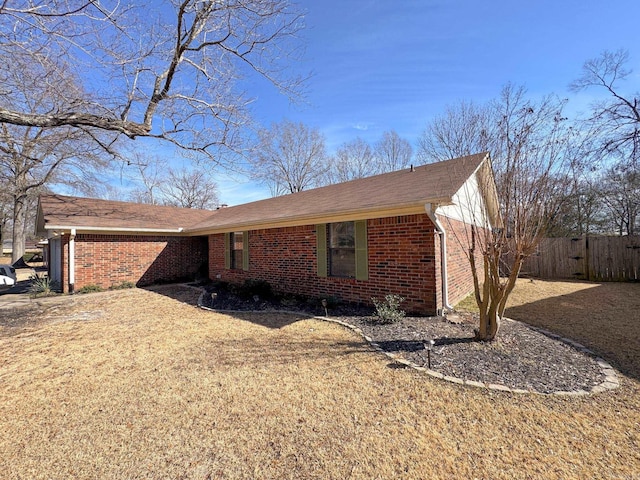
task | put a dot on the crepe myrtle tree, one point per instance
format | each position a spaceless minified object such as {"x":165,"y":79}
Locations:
{"x":173,"y":72}
{"x":529,"y":142}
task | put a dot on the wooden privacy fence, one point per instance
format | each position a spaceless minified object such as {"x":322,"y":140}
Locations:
{"x":600,"y":259}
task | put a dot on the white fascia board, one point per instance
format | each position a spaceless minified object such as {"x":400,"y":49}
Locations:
{"x":68,"y":228}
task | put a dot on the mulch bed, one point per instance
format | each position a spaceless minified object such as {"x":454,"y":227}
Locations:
{"x":519,"y":358}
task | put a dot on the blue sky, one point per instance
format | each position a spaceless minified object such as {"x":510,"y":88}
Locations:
{"x":380,"y":65}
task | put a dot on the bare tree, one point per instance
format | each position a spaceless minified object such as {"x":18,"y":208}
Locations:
{"x":6,"y":204}
{"x":581,"y":211}
{"x":463,"y":129}
{"x":614,"y":124}
{"x":151,"y":174}
{"x":33,"y":157}
{"x":190,"y":188}
{"x":616,"y":120}
{"x":171,"y":72}
{"x":290,"y":158}
{"x":353,"y":160}
{"x":529,"y":147}
{"x":392,"y":152}
{"x":619,"y":189}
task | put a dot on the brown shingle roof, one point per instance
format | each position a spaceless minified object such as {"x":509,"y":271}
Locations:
{"x":361,"y":198}
{"x":436,"y":182}
{"x":87,"y":213}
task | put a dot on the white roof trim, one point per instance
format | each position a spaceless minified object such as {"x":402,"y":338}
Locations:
{"x":114,"y":229}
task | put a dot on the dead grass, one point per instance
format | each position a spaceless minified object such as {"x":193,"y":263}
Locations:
{"x":603,"y":316}
{"x":136,"y":384}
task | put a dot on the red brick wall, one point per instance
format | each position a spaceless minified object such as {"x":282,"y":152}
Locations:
{"x":107,"y":260}
{"x":401,"y":252}
{"x":458,"y":266}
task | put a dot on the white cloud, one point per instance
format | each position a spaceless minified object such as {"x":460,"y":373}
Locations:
{"x":362,"y":126}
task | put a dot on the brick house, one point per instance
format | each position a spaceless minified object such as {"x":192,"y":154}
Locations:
{"x":401,"y":232}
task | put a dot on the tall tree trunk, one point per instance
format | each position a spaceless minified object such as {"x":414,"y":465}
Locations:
{"x":3,"y":227}
{"x":19,"y":217}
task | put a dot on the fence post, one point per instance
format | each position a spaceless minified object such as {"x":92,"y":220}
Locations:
{"x":587,"y":257}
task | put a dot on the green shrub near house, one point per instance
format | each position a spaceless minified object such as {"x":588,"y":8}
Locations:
{"x":42,"y":286}
{"x":122,"y":286}
{"x":92,"y":288}
{"x":388,"y":311}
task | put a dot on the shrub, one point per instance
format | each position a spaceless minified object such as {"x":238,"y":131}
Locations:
{"x":42,"y":286}
{"x":122,"y":286}
{"x":290,"y":301}
{"x":388,"y":311}
{"x":252,"y":287}
{"x":91,"y":289}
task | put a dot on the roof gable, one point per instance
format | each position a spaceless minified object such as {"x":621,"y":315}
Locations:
{"x":361,"y":198}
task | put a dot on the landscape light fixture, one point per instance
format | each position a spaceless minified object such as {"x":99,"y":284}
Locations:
{"x":324,"y":305}
{"x":429,"y":346}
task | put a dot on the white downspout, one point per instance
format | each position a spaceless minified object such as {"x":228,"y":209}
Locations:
{"x":72,"y":260}
{"x":429,"y":208}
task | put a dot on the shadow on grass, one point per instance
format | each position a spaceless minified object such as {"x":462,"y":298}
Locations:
{"x":176,"y":291}
{"x":604,"y":318}
{"x":267,"y":319}
{"x":258,"y":352}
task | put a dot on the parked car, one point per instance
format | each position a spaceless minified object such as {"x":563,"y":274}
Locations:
{"x":7,"y":277}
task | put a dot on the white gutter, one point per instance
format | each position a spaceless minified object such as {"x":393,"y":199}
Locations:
{"x":114,"y":229}
{"x":431,"y":212}
{"x":72,"y":259}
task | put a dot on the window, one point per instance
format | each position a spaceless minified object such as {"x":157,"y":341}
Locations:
{"x":342,"y":249}
{"x":236,"y":250}
{"x":237,"y":244}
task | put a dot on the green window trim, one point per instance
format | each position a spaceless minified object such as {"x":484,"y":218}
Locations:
{"x":245,"y":251}
{"x":227,"y":250}
{"x":362,"y":256}
{"x":321,"y":249}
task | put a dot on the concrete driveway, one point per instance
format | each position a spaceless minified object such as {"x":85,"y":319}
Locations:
{"x":18,"y":295}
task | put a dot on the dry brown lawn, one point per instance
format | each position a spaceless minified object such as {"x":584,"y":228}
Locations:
{"x":138,"y":384}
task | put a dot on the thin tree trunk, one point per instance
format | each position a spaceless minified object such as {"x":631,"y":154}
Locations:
{"x":3,"y":227}
{"x":19,"y":216}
